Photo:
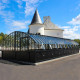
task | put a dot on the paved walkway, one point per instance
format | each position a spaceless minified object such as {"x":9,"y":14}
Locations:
{"x":64,"y":69}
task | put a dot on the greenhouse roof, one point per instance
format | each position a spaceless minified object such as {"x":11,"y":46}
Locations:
{"x":40,"y":39}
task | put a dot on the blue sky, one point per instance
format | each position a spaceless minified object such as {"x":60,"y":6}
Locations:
{"x":16,"y":15}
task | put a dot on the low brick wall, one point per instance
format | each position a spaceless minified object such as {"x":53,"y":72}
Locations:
{"x":38,"y":55}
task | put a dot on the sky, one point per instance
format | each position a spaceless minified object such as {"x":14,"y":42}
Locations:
{"x":16,"y":15}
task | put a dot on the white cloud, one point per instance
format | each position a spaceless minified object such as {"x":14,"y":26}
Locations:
{"x":65,"y":27}
{"x":73,"y":30}
{"x":18,"y":25}
{"x":31,"y":1}
{"x":19,"y":3}
{"x":30,"y":5}
{"x":75,"y":21}
{"x":71,"y":33}
{"x":7,"y":15}
{"x":5,"y":1}
{"x":78,"y":7}
{"x":2,"y":6}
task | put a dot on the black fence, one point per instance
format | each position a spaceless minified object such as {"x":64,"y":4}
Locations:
{"x":34,"y":56}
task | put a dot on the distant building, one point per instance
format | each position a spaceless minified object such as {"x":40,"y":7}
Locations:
{"x":46,"y":28}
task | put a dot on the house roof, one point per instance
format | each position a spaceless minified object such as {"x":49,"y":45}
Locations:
{"x":36,"y":18}
{"x":49,"y":25}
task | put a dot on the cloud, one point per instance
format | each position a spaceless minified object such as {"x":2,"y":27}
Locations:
{"x":19,"y":3}
{"x":2,"y":6}
{"x":78,"y":7}
{"x":65,"y":27}
{"x":18,"y":25}
{"x":75,"y":21}
{"x":71,"y":32}
{"x":7,"y":16}
{"x":30,"y":5}
{"x":5,"y":1}
{"x":73,"y":28}
{"x":31,"y":1}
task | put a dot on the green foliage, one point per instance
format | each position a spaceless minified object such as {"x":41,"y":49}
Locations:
{"x":2,"y":37}
{"x":77,"y":40}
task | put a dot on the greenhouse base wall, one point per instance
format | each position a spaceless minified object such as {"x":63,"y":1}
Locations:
{"x":34,"y":56}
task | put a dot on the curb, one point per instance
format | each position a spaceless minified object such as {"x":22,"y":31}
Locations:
{"x":60,"y":58}
{"x":52,"y":60}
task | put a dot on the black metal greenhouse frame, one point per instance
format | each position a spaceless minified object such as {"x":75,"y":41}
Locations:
{"x":21,"y":46}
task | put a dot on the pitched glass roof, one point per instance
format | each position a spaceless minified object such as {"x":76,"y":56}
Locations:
{"x":39,"y":39}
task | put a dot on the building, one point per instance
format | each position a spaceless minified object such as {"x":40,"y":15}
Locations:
{"x":46,"y":28}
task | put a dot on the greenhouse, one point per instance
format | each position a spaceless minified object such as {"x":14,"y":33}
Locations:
{"x":33,"y":48}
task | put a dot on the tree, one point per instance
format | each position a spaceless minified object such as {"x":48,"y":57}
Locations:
{"x":2,"y":37}
{"x":78,"y":41}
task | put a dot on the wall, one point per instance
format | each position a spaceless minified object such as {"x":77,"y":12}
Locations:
{"x":38,"y":28}
{"x":54,"y":33}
